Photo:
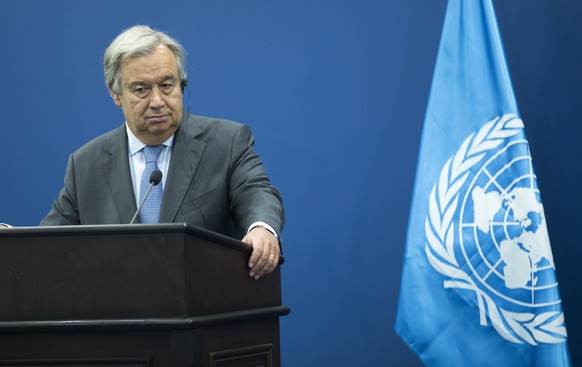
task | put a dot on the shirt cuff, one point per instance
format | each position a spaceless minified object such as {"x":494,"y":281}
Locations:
{"x":264,"y":225}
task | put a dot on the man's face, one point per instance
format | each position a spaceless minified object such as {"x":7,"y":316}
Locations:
{"x":151,"y":98}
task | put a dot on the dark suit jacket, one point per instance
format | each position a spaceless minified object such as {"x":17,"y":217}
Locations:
{"x":215,"y":179}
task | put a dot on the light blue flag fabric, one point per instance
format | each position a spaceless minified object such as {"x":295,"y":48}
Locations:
{"x":479,"y":283}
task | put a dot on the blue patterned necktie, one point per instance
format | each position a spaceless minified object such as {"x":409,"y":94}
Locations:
{"x":150,"y":211}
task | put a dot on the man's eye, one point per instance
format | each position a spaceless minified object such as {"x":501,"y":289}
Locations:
{"x":140,"y":91}
{"x":167,"y":87}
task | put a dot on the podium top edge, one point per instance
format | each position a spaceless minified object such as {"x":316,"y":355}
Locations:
{"x":122,"y":229}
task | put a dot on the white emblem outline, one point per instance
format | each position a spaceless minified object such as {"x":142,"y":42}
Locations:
{"x":516,"y":327}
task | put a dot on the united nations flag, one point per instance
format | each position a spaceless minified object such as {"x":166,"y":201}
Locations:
{"x":479,"y":282}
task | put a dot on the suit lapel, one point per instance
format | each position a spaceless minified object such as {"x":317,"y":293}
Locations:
{"x":116,"y":172}
{"x":186,"y":154}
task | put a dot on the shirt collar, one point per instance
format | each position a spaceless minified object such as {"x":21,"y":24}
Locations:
{"x":135,"y":145}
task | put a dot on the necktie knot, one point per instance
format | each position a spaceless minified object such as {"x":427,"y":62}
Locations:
{"x":152,"y":152}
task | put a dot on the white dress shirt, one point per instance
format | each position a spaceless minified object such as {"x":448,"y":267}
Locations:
{"x":137,"y":160}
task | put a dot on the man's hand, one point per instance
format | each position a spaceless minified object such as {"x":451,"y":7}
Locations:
{"x":265,"y":256}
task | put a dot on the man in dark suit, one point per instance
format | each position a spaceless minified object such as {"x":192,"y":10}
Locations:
{"x":212,"y":176}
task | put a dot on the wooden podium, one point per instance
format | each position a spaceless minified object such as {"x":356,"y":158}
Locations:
{"x":134,"y":295}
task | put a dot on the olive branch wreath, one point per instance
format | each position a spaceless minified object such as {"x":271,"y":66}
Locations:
{"x":516,"y":327}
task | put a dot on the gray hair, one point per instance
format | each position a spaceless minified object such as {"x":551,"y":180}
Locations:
{"x":137,"y":41}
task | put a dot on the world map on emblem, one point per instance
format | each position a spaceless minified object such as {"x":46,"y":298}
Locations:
{"x":503,"y":231}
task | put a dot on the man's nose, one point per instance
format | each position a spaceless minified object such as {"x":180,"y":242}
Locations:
{"x":157,"y":99}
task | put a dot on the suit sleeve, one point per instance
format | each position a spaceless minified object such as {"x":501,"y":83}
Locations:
{"x":252,"y":197}
{"x":64,"y":210}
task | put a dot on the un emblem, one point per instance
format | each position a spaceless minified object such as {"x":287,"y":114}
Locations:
{"x":486,"y":232}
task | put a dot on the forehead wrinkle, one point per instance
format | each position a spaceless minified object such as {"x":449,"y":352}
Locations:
{"x":152,"y":68}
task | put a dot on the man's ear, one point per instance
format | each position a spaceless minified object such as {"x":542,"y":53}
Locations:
{"x":115,"y":97}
